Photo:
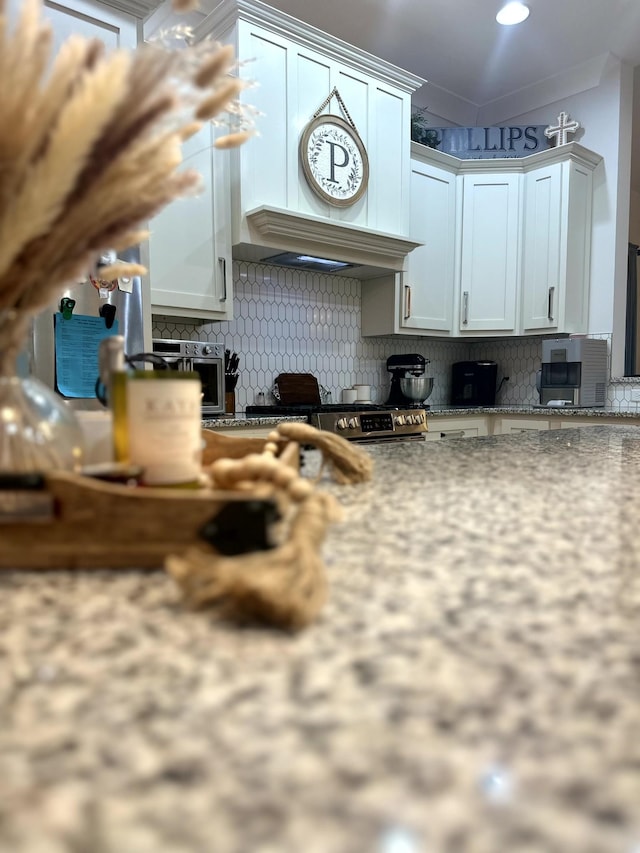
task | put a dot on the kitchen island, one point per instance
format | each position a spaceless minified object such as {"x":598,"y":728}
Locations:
{"x":473,"y":683}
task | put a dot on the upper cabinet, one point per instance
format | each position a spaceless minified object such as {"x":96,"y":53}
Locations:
{"x":489,"y":251}
{"x":505,"y":253}
{"x":302,"y":72}
{"x":114,"y":24}
{"x":557,"y":238}
{"x":189,"y":241}
{"x":188,"y":253}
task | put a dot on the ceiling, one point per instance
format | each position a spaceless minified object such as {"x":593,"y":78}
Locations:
{"x":457,"y":46}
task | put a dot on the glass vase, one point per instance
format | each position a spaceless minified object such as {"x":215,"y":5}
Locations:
{"x":38,"y":431}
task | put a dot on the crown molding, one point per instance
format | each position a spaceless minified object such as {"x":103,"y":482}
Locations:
{"x":137,"y":8}
{"x":558,"y":154}
{"x":228,"y":12}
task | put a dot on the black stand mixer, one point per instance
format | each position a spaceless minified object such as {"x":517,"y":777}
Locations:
{"x":409,"y":385}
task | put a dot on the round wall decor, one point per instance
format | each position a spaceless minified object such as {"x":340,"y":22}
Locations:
{"x":334,"y":160}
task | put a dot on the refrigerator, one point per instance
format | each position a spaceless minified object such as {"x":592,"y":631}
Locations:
{"x":63,"y":349}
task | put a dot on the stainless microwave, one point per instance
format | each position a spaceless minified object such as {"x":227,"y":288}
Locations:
{"x":203,"y":357}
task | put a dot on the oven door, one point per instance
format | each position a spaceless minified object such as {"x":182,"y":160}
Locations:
{"x":211,"y":372}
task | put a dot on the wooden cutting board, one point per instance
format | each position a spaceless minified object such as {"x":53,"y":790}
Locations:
{"x":296,"y":388}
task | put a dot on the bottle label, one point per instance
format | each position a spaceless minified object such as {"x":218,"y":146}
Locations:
{"x":164,"y":432}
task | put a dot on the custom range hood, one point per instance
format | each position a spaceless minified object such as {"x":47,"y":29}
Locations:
{"x":316,"y":244}
{"x":327,"y":176}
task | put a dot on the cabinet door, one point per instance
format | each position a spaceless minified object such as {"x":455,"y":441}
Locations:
{"x":91,"y":20}
{"x":490,"y":252}
{"x":541,"y":283}
{"x":427,"y":288}
{"x":462,"y":427}
{"x":189,"y":250}
{"x":557,"y":241}
{"x":506,"y":426}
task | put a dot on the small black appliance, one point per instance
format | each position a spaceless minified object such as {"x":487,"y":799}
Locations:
{"x":401,"y":367}
{"x":473,"y":383}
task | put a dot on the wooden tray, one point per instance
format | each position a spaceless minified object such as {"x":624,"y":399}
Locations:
{"x":95,"y":524}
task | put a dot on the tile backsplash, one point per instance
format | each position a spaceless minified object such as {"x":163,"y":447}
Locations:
{"x":293,"y":322}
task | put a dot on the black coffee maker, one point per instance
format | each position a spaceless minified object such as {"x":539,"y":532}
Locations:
{"x":401,"y":366}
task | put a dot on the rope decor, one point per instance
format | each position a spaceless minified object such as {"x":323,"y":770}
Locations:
{"x":285,"y":586}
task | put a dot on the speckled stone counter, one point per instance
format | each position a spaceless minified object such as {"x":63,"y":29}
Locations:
{"x":473,"y":683}
{"x":241,"y":422}
{"x":564,"y":411}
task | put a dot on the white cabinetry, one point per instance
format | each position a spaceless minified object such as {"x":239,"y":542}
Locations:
{"x":507,"y":425}
{"x":189,"y":242}
{"x":456,"y":427}
{"x":298,"y":67}
{"x":188,"y":254}
{"x":489,"y":264}
{"x":557,"y":241}
{"x":427,"y":295}
{"x":420,"y":300}
{"x":116,"y":27}
{"x":516,"y":260}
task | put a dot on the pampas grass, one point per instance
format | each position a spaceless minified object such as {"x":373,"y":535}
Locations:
{"x":90,"y":145}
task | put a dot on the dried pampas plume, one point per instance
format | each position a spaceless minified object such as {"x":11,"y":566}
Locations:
{"x":90,"y":145}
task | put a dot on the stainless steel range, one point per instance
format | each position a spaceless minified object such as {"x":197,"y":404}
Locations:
{"x":362,"y":423}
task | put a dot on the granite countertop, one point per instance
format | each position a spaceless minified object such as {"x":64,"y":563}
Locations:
{"x":534,"y":409}
{"x":439,"y":411}
{"x":473,"y":683}
{"x":242,"y":422}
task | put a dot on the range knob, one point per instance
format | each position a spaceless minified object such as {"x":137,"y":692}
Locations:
{"x":206,"y":350}
{"x":401,"y":420}
{"x":341,"y":423}
{"x":353,"y":423}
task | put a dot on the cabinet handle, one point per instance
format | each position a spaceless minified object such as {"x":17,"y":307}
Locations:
{"x":223,"y":265}
{"x":465,"y":308}
{"x":552,"y":291}
{"x":407,"y":301}
{"x":453,"y":433}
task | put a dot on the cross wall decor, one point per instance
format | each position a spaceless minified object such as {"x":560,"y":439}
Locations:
{"x":562,"y":129}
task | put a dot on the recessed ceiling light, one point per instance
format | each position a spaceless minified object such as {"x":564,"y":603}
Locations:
{"x":512,"y":13}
